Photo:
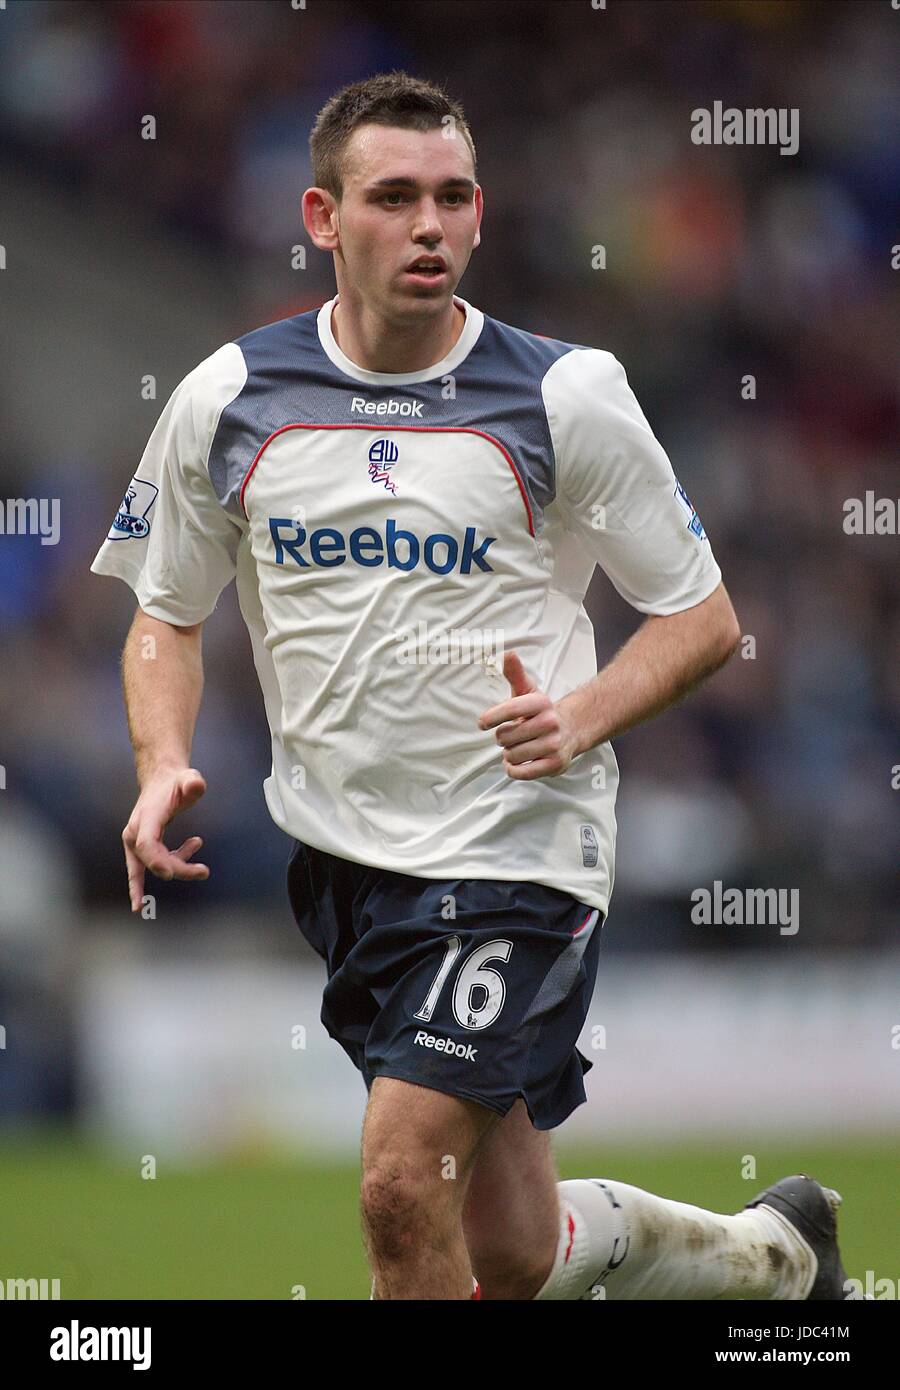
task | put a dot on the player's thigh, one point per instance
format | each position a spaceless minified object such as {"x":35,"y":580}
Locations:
{"x":511,"y":1211}
{"x":419,"y":1144}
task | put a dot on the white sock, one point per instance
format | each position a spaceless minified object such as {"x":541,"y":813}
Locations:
{"x":630,"y":1244}
{"x":584,"y":1248}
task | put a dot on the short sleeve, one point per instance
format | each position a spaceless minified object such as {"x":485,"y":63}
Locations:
{"x":616,"y":489}
{"x":171,"y":539}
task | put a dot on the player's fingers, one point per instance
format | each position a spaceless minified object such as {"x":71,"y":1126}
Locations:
{"x":135,"y":877}
{"x":188,"y":847}
{"x":183,"y":853}
{"x":547,"y":722}
{"x":519,"y":679}
{"x":168,"y":864}
{"x":163,"y":862}
{"x":519,"y":707}
{"x":541,"y":767}
{"x":546,"y":747}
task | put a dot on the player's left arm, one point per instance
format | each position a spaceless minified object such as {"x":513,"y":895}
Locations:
{"x":618,"y":495}
{"x":661,"y":662}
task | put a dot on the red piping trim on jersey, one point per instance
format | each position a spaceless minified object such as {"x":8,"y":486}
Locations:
{"x":381,"y":429}
{"x":585,"y":922}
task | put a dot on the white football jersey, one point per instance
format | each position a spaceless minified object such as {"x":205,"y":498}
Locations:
{"x":391,"y":536}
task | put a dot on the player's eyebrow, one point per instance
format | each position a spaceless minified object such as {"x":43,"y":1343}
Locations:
{"x":403,"y":181}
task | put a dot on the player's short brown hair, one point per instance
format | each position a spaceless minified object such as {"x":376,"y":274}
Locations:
{"x":389,"y":99}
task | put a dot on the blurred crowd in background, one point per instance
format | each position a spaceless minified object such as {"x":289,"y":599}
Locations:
{"x":722,"y":263}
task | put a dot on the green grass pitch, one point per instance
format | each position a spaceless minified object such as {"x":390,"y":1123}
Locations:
{"x":259,"y":1227}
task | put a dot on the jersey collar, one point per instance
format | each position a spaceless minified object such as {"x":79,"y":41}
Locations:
{"x":461,"y":348}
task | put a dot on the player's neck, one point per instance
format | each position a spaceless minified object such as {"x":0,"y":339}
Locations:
{"x":376,"y":346}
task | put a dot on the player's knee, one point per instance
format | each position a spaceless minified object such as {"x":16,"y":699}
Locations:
{"x":396,"y":1205}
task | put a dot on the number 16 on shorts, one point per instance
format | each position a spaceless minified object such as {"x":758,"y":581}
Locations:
{"x":479,"y":992}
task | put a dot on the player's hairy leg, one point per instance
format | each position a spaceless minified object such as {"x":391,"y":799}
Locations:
{"x":511,"y":1213}
{"x":418,"y":1147}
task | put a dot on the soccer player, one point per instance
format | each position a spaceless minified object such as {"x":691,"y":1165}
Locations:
{"x":412,"y":497}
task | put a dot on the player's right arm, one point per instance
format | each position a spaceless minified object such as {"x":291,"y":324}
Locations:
{"x":162,"y":676}
{"x":175,"y":545}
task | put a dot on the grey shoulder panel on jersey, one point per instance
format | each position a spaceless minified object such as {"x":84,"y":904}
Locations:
{"x":506,"y":368}
{"x":496,"y":389}
{"x":275,"y":392}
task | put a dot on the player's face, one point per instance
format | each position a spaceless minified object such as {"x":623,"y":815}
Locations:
{"x":407,"y":194}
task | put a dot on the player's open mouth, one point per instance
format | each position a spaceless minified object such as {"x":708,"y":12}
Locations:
{"x":426,"y":272}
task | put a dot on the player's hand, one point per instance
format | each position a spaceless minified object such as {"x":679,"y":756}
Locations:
{"x":162,"y":797}
{"x":537,"y":736}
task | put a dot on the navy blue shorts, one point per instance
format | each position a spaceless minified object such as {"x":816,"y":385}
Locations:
{"x":476,"y":987}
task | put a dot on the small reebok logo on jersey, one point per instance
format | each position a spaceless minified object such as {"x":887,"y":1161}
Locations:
{"x":411,"y":409}
{"x":464,"y":1050}
{"x":132,"y":519}
{"x":383,"y":454}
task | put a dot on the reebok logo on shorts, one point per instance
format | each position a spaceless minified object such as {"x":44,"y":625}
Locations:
{"x":465,"y":1050}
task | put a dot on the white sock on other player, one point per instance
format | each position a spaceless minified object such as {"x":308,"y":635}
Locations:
{"x":633,"y":1245}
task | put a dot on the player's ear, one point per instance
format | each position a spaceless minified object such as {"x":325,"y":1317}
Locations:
{"x":318,"y":209}
{"x":479,"y":210}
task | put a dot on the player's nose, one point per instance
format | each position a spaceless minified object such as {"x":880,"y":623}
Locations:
{"x":428,"y":222}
